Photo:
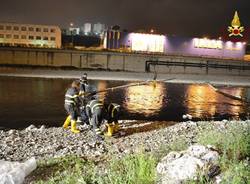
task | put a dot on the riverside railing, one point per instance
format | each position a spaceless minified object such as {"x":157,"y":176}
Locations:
{"x":207,"y":64}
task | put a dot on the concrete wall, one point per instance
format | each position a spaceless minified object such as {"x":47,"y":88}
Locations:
{"x":114,"y":61}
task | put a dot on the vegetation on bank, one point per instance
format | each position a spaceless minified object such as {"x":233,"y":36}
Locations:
{"x":131,"y":169}
{"x":233,"y":144}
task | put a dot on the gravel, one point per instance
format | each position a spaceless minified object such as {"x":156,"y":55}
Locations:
{"x":42,"y":142}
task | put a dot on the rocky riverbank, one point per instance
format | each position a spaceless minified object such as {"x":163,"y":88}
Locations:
{"x":134,"y":136}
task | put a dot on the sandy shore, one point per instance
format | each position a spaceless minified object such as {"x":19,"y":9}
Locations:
{"x":118,"y":75}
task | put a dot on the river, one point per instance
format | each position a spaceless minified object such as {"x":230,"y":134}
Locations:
{"x":25,"y":101}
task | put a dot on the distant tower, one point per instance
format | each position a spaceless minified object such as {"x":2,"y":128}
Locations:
{"x":235,"y":29}
{"x":98,"y":28}
{"x":87,"y":28}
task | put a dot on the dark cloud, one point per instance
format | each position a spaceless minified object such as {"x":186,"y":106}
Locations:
{"x":184,"y":17}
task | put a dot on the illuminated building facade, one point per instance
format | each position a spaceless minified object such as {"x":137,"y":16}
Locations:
{"x":174,"y":45}
{"x":30,"y":35}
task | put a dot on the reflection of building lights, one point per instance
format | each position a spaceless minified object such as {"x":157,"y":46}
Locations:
{"x":199,"y":100}
{"x":145,"y":99}
{"x":203,"y":100}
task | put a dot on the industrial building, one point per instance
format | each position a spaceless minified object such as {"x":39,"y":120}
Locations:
{"x":173,"y":45}
{"x":30,"y":35}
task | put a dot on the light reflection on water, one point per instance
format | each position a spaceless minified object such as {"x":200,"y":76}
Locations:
{"x":40,"y":101}
{"x":145,"y":99}
{"x":203,"y":101}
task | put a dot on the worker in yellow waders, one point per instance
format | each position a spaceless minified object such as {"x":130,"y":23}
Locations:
{"x":71,"y":105}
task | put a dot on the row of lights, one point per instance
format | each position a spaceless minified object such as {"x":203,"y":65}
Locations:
{"x":229,"y":42}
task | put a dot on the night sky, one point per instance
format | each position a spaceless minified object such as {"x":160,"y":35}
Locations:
{"x":179,"y":17}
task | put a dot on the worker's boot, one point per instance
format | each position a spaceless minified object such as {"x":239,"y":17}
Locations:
{"x":116,"y":127}
{"x":66,"y":122}
{"x":73,"y":127}
{"x":110,"y":130}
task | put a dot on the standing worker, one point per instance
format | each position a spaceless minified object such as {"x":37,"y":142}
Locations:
{"x":71,"y":105}
{"x":84,"y":93}
{"x":84,"y":84}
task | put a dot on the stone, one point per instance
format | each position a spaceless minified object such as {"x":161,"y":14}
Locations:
{"x":11,"y":132}
{"x":178,"y":167}
{"x":42,"y":128}
{"x":31,"y":127}
{"x":211,"y":156}
{"x":197,"y":150}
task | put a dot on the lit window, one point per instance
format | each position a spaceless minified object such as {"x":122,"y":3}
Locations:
{"x":8,"y":36}
{"x":31,"y":29}
{"x":31,"y":37}
{"x":45,"y":30}
{"x":52,"y":38}
{"x":23,"y":37}
{"x":38,"y":38}
{"x":8,"y":27}
{"x":45,"y":38}
{"x":52,"y":30}
{"x":23,"y":28}
{"x":1,"y":27}
{"x":16,"y":36}
{"x":16,"y":28}
{"x":1,"y":36}
{"x":38,"y":29}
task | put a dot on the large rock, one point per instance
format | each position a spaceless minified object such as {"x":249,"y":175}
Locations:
{"x":15,"y":172}
{"x":178,"y":167}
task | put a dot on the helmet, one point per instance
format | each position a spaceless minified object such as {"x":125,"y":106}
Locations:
{"x":84,"y":78}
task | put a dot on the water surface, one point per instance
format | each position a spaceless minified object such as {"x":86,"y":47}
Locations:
{"x":25,"y":101}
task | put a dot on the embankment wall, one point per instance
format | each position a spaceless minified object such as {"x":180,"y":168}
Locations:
{"x":135,"y":62}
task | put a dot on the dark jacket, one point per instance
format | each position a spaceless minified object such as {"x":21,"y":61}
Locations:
{"x":72,"y":97}
{"x":113,"y":112}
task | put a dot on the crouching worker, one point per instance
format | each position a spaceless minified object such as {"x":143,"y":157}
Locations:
{"x":113,"y":111}
{"x":71,"y":105}
{"x":96,"y":113}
